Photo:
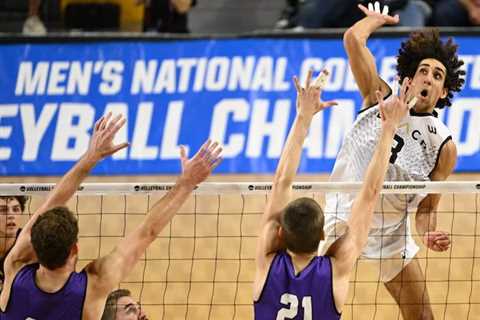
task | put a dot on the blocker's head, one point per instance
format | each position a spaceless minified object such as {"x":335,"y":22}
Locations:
{"x":54,"y":237}
{"x":302,"y":225}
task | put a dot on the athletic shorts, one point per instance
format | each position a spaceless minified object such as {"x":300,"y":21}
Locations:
{"x":391,"y":248}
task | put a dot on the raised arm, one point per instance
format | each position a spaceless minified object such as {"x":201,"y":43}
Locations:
{"x":347,"y":249}
{"x":308,"y":104}
{"x":100,"y":146}
{"x":360,"y":58}
{"x":127,"y":253}
{"x":426,"y":216}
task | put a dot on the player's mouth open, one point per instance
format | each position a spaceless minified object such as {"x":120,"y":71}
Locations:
{"x":424,"y":93}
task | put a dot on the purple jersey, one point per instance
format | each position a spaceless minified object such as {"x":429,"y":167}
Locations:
{"x":27,"y":301}
{"x":306,"y":296}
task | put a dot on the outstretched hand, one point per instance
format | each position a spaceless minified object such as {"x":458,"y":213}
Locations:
{"x":101,"y":144}
{"x":436,"y":240}
{"x":394,"y":109}
{"x":381,"y":15}
{"x":198,"y":168}
{"x":308,"y":97}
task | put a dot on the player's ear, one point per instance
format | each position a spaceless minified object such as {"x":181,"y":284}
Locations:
{"x":444,"y":93}
{"x":280,"y":233}
{"x":74,"y":249}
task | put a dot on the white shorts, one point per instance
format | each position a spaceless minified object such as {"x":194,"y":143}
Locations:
{"x":391,"y":247}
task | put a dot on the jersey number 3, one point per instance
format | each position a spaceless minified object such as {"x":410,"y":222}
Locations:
{"x":398,"y":147}
{"x":291,"y":312}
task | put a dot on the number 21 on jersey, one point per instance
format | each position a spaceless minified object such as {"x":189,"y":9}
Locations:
{"x":291,"y":311}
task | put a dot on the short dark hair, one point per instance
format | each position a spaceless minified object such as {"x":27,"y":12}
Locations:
{"x":111,"y":304}
{"x":22,"y":200}
{"x":302,"y":223}
{"x":53,"y":235}
{"x":427,"y":44}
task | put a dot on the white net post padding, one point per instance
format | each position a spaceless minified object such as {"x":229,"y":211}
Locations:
{"x":201,"y":266}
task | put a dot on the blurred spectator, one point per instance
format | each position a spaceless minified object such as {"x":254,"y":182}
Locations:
{"x":33,"y":25}
{"x":344,"y":13}
{"x":456,"y":13}
{"x":166,"y":15}
{"x":289,"y":16}
{"x":415,"y":13}
{"x":121,"y":306}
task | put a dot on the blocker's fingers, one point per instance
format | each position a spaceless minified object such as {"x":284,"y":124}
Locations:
{"x":203,"y":149}
{"x":321,"y":79}
{"x":309,"y":78}
{"x":412,"y":103}
{"x":297,"y":84}
{"x":395,"y":87}
{"x":106,"y":120}
{"x":404,"y":89}
{"x":377,"y":6}
{"x":213,"y":146}
{"x":370,"y":6}
{"x":183,"y":152}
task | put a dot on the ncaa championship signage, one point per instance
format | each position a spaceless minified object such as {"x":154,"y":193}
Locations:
{"x":173,"y":93}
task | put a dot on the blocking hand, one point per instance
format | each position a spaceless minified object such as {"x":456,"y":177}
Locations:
{"x":101,"y":144}
{"x":198,"y":168}
{"x":308,"y":97}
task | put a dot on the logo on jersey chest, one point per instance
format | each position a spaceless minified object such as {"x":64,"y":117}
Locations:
{"x":417,"y":136}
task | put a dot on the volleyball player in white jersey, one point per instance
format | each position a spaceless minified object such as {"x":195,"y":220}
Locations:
{"x":423,"y":151}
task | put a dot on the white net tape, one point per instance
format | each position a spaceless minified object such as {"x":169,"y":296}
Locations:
{"x":245,"y":187}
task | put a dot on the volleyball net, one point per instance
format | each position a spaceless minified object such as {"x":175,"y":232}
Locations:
{"x":201,"y":266}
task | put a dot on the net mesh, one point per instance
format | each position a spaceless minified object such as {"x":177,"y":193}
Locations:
{"x":201,"y":266}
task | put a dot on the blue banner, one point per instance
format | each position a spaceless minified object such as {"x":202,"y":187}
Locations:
{"x":182,"y":92}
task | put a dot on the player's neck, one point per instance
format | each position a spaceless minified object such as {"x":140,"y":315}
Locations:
{"x":423,"y":109}
{"x":300,"y":261}
{"x":52,"y":281}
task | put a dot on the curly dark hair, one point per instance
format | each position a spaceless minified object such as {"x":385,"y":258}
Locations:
{"x":53,"y":235}
{"x":427,"y":44}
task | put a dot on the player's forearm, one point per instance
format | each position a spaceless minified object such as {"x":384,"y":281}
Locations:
{"x":361,"y":31}
{"x":426,"y":216}
{"x":377,"y":168}
{"x":363,"y":207}
{"x":69,"y":183}
{"x":164,"y":209}
{"x":287,"y":167}
{"x":292,"y":151}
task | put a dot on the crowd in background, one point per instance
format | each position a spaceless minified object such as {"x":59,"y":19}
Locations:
{"x":172,"y":15}
{"x":413,"y":13}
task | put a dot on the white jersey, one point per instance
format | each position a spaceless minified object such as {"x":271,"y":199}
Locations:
{"x":415,"y":151}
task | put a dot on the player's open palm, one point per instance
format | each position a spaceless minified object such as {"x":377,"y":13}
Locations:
{"x":436,"y":240}
{"x":394,"y":109}
{"x":198,"y":168}
{"x":101,"y":144}
{"x":308,"y":97}
{"x":381,"y":15}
